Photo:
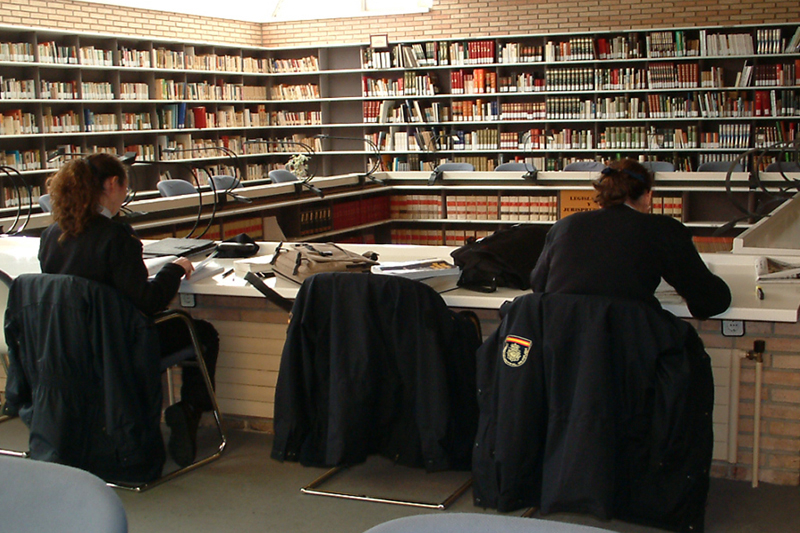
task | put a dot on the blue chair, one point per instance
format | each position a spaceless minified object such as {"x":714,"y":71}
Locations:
{"x":584,"y":166}
{"x":169,"y":188}
{"x":783,"y":166}
{"x":225,"y":183}
{"x":455,"y":167}
{"x":41,"y":496}
{"x":514,"y":166}
{"x":281,"y":175}
{"x":719,"y":166}
{"x":45,"y":203}
{"x":658,"y":166}
{"x":478,"y":523}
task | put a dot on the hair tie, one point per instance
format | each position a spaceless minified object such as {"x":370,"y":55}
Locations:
{"x":635,"y":175}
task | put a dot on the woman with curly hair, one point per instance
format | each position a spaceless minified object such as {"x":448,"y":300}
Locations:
{"x":85,"y":240}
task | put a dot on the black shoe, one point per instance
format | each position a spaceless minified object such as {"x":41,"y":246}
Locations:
{"x":182,"y":422}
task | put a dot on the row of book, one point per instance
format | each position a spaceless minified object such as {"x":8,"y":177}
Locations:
{"x":779,"y":74}
{"x":13,"y":196}
{"x":671,"y":44}
{"x":167,"y":89}
{"x":353,"y":213}
{"x":766,"y":136}
{"x":17,"y":122}
{"x":657,"y":44}
{"x":477,"y":81}
{"x":574,"y":49}
{"x":14,"y":89}
{"x":410,"y":84}
{"x":428,"y":237}
{"x":22,"y":159}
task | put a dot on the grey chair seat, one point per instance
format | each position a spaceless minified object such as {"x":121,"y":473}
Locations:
{"x":477,"y":523}
{"x":42,"y":496}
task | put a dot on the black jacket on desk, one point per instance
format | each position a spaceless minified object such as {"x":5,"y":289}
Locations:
{"x":618,"y":251}
{"x":594,"y":404}
{"x":110,"y":253}
{"x":375,"y":364}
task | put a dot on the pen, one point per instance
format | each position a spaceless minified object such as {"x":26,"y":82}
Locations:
{"x":227,"y":273}
{"x":759,"y":292}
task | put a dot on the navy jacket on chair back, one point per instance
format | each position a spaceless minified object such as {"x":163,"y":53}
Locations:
{"x":84,"y":374}
{"x":594,"y":404}
{"x":375,"y":364}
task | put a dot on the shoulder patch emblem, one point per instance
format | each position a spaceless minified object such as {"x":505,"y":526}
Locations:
{"x":515,"y":350}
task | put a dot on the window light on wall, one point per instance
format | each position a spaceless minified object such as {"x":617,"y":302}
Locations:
{"x":279,"y":10}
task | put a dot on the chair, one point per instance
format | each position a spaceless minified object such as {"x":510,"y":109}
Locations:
{"x":175,"y":187}
{"x":281,"y":175}
{"x":39,"y":496}
{"x":783,"y":166}
{"x":224,"y":183}
{"x":595,"y":404}
{"x":478,"y":523}
{"x":455,"y":167}
{"x":6,"y":414}
{"x":720,"y":166}
{"x":364,"y":361}
{"x":584,"y":166}
{"x":658,"y":166}
{"x":514,"y":166}
{"x":439,"y":171}
{"x":45,"y":203}
{"x":106,"y":417}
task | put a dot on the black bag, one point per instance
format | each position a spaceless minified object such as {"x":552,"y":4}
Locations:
{"x":503,"y":259}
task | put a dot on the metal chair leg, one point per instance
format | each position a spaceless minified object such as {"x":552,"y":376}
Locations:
{"x":312,"y":488}
{"x":177,"y":314}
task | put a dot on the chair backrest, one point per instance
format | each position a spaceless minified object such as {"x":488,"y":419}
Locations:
{"x":175,"y":187}
{"x":584,"y":166}
{"x":58,"y":325}
{"x":45,"y":203}
{"x":417,"y":335}
{"x":514,"y":166}
{"x":281,"y":175}
{"x":658,"y":166}
{"x":456,"y":167}
{"x":222,"y":183}
{"x":719,"y":166}
{"x":5,"y":286}
{"x":783,"y":166}
{"x":41,"y":496}
{"x":581,"y":372}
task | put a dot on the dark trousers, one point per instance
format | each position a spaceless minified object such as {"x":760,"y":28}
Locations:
{"x":172,"y":339}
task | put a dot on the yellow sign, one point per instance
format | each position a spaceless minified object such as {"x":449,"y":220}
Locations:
{"x":575,"y":201}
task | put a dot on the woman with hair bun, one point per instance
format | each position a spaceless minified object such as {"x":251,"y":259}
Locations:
{"x":623,"y":250}
{"x":86,"y":241}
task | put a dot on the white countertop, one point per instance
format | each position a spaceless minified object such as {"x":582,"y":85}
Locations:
{"x":780,"y":304}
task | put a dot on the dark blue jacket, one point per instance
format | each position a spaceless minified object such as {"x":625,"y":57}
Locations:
{"x":595,"y":404}
{"x":84,"y":376}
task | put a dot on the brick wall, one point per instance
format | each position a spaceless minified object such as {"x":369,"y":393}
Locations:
{"x":779,"y":456}
{"x":448,"y":18}
{"x":454,"y":18}
{"x":101,"y":18}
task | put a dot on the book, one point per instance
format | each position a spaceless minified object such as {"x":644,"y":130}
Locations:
{"x":771,"y":270}
{"x":436,"y":273}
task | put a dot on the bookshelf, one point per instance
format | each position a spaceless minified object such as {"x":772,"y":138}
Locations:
{"x":685,"y":95}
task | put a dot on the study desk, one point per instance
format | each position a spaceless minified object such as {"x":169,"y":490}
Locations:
{"x":781,"y":301}
{"x":252,"y":333}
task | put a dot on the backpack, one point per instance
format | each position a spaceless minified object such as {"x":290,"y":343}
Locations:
{"x":503,"y":259}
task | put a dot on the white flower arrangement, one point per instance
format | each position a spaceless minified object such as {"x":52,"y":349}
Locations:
{"x":298,"y":165}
